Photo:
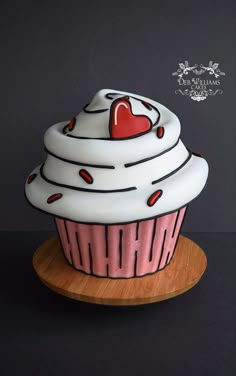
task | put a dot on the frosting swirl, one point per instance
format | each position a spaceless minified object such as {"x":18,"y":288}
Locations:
{"x":118,"y":161}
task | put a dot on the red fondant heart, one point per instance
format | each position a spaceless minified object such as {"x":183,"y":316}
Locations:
{"x":124,"y":124}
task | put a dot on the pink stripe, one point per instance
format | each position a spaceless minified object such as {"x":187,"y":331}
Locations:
{"x":113,"y":249}
{"x":129,"y":246}
{"x":84,"y":237}
{"x":98,"y":247}
{"x":122,"y":247}
{"x":130,"y":252}
{"x":65,"y":245}
{"x":170,"y":241}
{"x":144,"y":242}
{"x":73,"y":242}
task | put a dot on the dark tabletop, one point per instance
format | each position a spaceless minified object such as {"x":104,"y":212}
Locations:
{"x":47,"y":334}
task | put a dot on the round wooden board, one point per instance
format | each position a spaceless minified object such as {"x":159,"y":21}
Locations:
{"x":185,"y":270}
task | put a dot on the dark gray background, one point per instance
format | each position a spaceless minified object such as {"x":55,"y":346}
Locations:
{"x":55,"y":55}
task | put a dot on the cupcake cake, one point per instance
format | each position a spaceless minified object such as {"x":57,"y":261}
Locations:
{"x":117,"y":180}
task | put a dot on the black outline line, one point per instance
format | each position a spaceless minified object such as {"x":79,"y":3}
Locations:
{"x":60,"y":195}
{"x":120,"y":247}
{"x":156,"y":199}
{"x":174,"y":171}
{"x":95,"y":111}
{"x":95,"y":138}
{"x":72,"y":258}
{"x":153,"y":156}
{"x":160,"y":127}
{"x":106,"y":239}
{"x":107,"y":269}
{"x":177,"y":238}
{"x":77,"y":163}
{"x":130,"y":108}
{"x":78,"y":246}
{"x":105,"y":139}
{"x":162,"y":249}
{"x":90,"y":258}
{"x":89,"y":138}
{"x":137,"y":229}
{"x":31,"y":178}
{"x":84,"y":177}
{"x":137,"y":99}
{"x":60,"y":241}
{"x":176,"y":220}
{"x":135,"y":263}
{"x":110,"y":223}
{"x":104,"y":276}
{"x":83,"y":189}
{"x":67,"y":234}
{"x":167,"y":258}
{"x":153,"y":237}
{"x":59,"y":236}
{"x":64,"y":130}
{"x":63,"y":253}
{"x":108,"y":95}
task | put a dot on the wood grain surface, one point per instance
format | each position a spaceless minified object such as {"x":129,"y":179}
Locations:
{"x":185,"y":270}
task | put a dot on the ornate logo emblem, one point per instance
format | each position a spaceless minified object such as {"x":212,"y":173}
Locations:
{"x":198,"y":81}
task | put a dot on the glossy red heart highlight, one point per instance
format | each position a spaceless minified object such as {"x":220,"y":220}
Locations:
{"x":124,"y":124}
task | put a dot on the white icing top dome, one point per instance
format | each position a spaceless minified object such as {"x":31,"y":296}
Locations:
{"x":118,"y":161}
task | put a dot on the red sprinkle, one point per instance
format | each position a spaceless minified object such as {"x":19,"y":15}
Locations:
{"x":147,"y":105}
{"x":54,"y":197}
{"x":71,"y":124}
{"x":154,"y":197}
{"x":86,"y":176}
{"x":31,"y":178}
{"x":160,"y":132}
{"x":197,"y":154}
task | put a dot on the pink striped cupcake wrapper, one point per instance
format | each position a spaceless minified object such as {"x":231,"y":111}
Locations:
{"x":124,"y":250}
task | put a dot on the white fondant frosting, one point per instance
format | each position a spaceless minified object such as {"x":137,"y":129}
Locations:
{"x":103,"y":166}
